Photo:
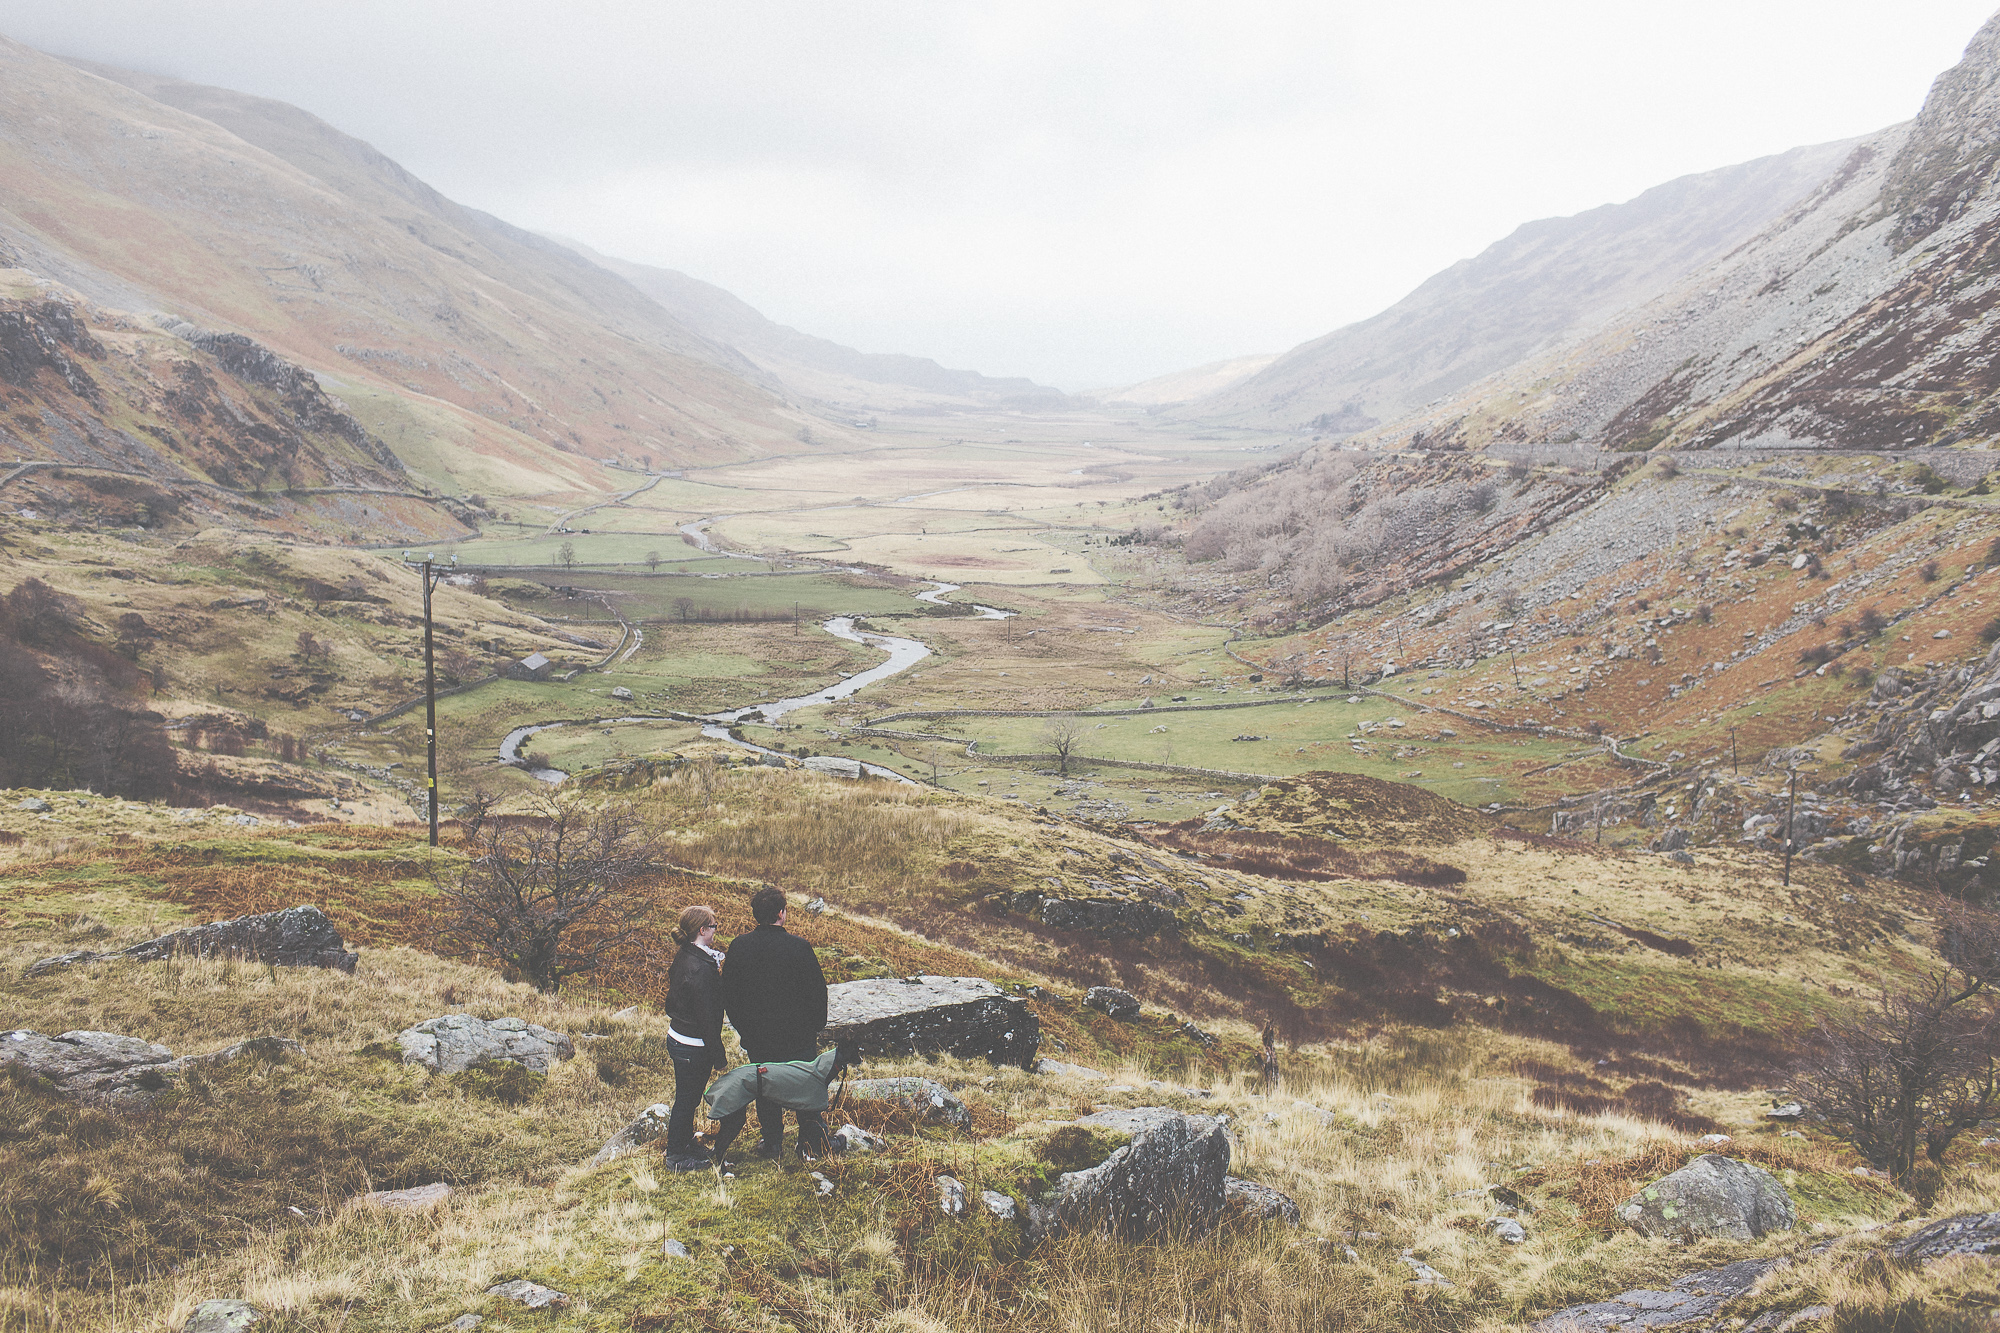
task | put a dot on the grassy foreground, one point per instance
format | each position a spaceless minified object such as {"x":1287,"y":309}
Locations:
{"x":1521,"y":1025}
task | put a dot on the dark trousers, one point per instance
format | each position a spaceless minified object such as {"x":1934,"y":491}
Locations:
{"x":692,"y":1067}
{"x":771,"y":1115}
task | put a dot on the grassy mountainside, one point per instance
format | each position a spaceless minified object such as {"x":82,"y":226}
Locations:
{"x":450,"y":333}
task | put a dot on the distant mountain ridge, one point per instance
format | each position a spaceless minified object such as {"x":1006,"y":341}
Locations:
{"x":813,"y":366}
{"x":1548,"y":281}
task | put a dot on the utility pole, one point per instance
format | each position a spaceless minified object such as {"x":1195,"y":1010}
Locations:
{"x":795,"y":620}
{"x":427,"y":569}
{"x":1732,"y":750}
{"x":1791,"y":808}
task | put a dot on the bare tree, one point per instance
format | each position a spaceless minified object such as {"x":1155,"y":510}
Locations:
{"x":566,"y":554}
{"x":555,"y":897}
{"x":653,"y":561}
{"x":1918,"y":1067}
{"x":1065,"y":737}
{"x":685,"y":607}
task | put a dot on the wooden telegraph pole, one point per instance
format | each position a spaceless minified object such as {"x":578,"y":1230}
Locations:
{"x":1791,"y":809}
{"x":428,"y":570}
{"x":1732,"y":750}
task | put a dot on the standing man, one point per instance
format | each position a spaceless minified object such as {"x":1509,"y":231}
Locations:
{"x":775,"y":997}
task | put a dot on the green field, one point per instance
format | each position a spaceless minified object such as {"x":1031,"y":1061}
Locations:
{"x":542,"y":552}
{"x":1474,"y":767}
{"x":709,"y":596}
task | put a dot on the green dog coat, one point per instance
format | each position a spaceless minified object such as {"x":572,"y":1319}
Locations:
{"x":796,"y":1085}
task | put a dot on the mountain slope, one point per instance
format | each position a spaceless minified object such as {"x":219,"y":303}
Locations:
{"x":1859,"y":320}
{"x":1548,"y":280}
{"x":457,"y":335}
{"x":817,"y":367}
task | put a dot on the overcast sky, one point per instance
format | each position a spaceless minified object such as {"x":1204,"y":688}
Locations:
{"x":1085,"y":193}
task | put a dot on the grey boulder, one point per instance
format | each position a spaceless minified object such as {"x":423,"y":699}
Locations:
{"x":295,"y":937}
{"x":853,"y":1138}
{"x":1248,"y":1199}
{"x":651,"y":1125}
{"x":932,"y":1102}
{"x":1122,"y":1005}
{"x":1168,"y":1180}
{"x":926,"y":1015}
{"x":456,"y":1042}
{"x":94,"y":1066}
{"x":230,"y":1316}
{"x":531,"y":1294}
{"x":1711,"y":1196}
{"x":108,"y":1067}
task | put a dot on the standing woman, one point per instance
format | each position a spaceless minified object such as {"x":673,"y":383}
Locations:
{"x":694,"y":1006}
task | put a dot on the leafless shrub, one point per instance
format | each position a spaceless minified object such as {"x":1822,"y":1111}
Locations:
{"x":554,"y":896}
{"x":1920,"y":1066}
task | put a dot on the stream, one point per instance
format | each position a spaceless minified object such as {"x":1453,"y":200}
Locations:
{"x":903,"y":654}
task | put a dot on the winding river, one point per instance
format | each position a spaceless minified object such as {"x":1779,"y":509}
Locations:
{"x":903,"y":654}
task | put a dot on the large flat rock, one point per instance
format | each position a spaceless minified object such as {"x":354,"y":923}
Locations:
{"x":122,"y":1070}
{"x":295,"y":937}
{"x":926,"y":1015}
{"x":1696,"y":1296}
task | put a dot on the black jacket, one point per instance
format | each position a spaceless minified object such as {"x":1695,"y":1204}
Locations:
{"x":694,"y":996}
{"x":775,"y":994}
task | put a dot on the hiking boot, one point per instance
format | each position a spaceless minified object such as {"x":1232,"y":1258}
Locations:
{"x":688,"y":1161}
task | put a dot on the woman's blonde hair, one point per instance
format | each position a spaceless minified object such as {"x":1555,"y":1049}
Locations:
{"x":693,"y":921}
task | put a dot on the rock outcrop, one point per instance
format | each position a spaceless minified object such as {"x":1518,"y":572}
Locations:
{"x":1247,"y":1198}
{"x":129,"y":1071}
{"x":295,"y":937}
{"x":421,"y":1199}
{"x":1711,"y":1196}
{"x":649,"y":1127}
{"x":1122,"y":1005}
{"x":1115,"y":917}
{"x":533,"y":1295}
{"x":226,"y":1316}
{"x":931,"y":1101}
{"x":456,"y":1042}
{"x":1970,"y":1233}
{"x":925,"y":1015}
{"x":1169,"y":1180}
{"x":1696,"y":1296}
